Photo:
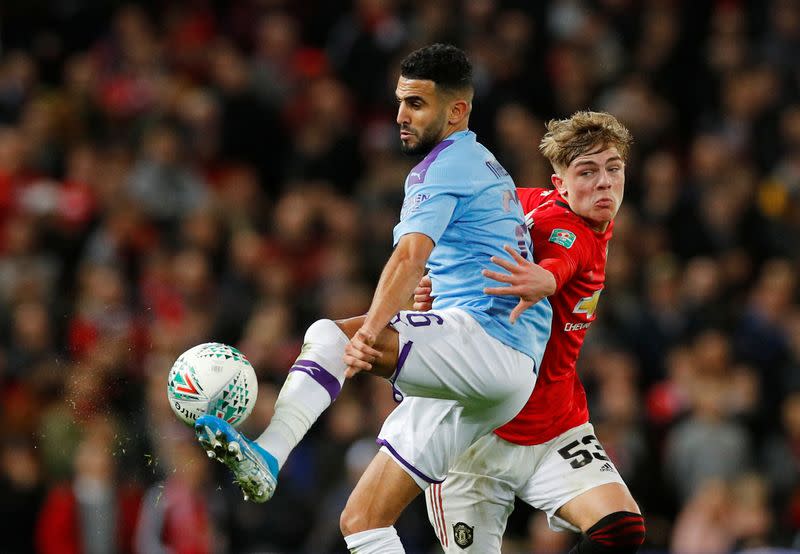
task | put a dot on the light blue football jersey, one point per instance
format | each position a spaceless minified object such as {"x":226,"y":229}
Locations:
{"x":464,"y":200}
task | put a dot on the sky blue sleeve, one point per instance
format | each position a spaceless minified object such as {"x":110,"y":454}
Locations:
{"x":427,"y":209}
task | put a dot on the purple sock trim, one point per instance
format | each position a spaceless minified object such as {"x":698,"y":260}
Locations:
{"x":415,"y":471}
{"x":320,"y":375}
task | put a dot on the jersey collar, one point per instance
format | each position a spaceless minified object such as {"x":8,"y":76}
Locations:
{"x":457,"y":135}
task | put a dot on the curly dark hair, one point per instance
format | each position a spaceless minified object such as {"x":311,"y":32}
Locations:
{"x":444,"y":64}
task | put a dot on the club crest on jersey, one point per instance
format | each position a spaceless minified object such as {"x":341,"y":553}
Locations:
{"x":462,"y":533}
{"x":563,"y":237}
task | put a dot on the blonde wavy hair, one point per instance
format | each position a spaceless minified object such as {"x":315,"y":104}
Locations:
{"x":566,"y":139}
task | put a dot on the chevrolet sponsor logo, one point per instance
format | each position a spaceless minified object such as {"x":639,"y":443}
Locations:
{"x":576,"y":326}
{"x":588,"y":305}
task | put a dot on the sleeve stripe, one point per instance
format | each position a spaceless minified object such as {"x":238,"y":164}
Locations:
{"x":529,"y":219}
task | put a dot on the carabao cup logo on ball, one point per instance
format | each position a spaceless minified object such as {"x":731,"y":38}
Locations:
{"x":212,"y":378}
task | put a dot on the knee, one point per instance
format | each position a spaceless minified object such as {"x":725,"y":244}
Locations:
{"x":621,"y":532}
{"x":358,"y":516}
{"x":352,"y":521}
{"x":349,"y":326}
{"x":324,"y":331}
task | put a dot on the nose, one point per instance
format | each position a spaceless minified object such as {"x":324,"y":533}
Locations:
{"x":402,"y":115}
{"x":604,"y":179}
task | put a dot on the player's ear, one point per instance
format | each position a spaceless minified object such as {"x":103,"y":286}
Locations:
{"x":459,"y":109}
{"x":558,"y":183}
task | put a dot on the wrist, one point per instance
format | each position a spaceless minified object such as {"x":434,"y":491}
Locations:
{"x":553,"y":284}
{"x":368,"y":331}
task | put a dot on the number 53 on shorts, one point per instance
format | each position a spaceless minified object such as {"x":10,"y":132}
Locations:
{"x":580,"y":453}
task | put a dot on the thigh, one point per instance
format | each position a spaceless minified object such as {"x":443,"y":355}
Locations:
{"x":425,"y":435}
{"x":459,"y":385}
{"x":588,"y":508}
{"x":469,"y":512}
{"x":428,"y":437}
{"x":571,"y":465}
{"x":379,"y":497}
{"x":446,"y":354}
{"x":470,"y":509}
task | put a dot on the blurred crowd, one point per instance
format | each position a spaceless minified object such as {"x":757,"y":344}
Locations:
{"x":182,"y":171}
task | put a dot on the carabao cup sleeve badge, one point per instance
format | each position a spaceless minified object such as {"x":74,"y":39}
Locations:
{"x":563,"y":237}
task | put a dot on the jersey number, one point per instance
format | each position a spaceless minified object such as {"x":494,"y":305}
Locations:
{"x":420,"y":319}
{"x":583,"y":456}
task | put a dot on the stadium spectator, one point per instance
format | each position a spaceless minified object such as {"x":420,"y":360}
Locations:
{"x":21,"y":493}
{"x":176,"y":516}
{"x":97,"y":510}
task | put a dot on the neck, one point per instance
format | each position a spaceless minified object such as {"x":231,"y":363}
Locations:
{"x":450,"y":129}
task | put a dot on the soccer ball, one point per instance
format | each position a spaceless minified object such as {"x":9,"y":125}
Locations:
{"x":215,"y":379}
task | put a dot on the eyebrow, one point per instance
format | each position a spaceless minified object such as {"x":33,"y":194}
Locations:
{"x":592,"y":162}
{"x":409,"y":98}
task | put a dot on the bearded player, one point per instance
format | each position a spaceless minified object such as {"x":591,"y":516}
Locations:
{"x":548,"y":454}
{"x":463,"y":368}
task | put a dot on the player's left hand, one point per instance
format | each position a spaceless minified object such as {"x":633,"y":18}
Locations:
{"x":527,"y":280}
{"x":359,"y":354}
{"x":423,"y":299}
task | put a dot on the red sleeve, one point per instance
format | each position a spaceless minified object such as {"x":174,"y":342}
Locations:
{"x":561,"y":268}
{"x":562,"y":257}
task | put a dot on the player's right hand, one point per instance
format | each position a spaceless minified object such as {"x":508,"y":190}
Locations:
{"x":359,"y":354}
{"x":423,"y":301}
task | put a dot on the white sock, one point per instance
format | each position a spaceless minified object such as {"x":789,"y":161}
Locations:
{"x":313,"y":384}
{"x":375,"y":541}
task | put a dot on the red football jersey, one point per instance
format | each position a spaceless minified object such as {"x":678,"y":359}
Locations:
{"x":558,"y":401}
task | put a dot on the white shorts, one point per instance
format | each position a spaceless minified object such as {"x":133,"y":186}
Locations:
{"x":471,"y":508}
{"x":457,"y":383}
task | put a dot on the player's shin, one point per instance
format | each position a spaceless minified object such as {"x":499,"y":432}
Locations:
{"x":313,"y":383}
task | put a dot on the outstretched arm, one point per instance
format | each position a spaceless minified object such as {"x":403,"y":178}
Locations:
{"x":398,"y":280}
